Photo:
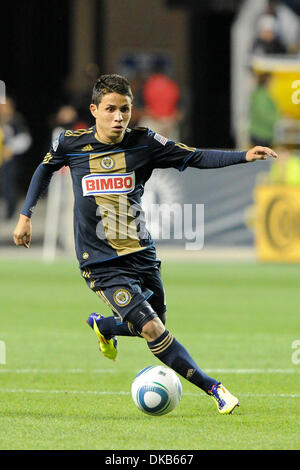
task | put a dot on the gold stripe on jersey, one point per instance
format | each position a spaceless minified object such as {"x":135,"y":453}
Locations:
{"x":163,"y":345}
{"x":86,"y":273}
{"x":116,"y":214}
{"x":78,"y":132}
{"x":103,"y":297}
{"x":47,"y":158}
{"x":185,"y":147}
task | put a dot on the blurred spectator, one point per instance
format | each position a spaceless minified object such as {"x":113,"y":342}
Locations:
{"x":263,"y":113}
{"x":66,"y":118}
{"x":287,"y":23}
{"x":16,"y":140}
{"x":161,"y":97}
{"x":78,"y":92}
{"x":268,"y":40}
{"x":286,"y":168}
{"x":137,"y":86}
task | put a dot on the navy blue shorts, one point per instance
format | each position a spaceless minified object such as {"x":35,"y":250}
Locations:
{"x":126,"y":282}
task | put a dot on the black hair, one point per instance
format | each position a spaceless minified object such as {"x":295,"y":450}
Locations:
{"x":112,"y":83}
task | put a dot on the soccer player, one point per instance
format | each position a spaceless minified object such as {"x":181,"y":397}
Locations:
{"x":109,"y":165}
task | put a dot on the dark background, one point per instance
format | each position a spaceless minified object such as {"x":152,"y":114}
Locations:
{"x":35,"y":48}
{"x":34,"y":41}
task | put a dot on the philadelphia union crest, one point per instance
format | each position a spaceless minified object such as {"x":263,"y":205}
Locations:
{"x":107,"y":163}
{"x":122,"y":297}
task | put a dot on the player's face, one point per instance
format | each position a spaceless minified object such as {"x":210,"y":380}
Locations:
{"x":112,"y":116}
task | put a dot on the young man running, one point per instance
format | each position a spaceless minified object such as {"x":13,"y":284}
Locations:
{"x":110,"y":165}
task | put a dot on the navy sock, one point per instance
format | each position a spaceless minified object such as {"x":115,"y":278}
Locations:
{"x":112,"y":326}
{"x":168,"y":350}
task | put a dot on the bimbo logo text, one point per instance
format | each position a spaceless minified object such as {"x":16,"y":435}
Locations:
{"x":121,"y":183}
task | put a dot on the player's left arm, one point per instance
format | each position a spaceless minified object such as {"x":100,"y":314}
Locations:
{"x":206,"y":159}
{"x":166,"y":154}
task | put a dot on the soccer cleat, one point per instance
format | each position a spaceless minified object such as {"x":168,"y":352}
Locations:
{"x":107,"y":346}
{"x":224,"y":400}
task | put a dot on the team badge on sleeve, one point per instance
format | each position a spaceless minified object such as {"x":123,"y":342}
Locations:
{"x":161,"y":139}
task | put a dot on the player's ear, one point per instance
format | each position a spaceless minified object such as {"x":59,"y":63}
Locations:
{"x":93,"y":109}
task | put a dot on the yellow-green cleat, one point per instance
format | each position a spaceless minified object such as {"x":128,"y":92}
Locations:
{"x":224,"y":400}
{"x":107,"y":346}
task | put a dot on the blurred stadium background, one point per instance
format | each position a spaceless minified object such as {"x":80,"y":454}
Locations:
{"x":214,"y":52}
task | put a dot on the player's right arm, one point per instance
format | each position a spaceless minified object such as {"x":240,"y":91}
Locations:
{"x":53,"y":161}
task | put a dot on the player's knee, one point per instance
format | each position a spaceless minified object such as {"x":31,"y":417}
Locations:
{"x":161,"y":311}
{"x":153,"y":329}
{"x":141,"y":316}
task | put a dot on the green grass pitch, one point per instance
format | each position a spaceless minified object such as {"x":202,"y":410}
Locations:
{"x":238,"y":321}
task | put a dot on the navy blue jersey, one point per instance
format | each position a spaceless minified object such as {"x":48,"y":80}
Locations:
{"x":108,"y":183}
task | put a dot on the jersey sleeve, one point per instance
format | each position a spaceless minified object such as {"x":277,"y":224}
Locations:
{"x":166,"y":153}
{"x":53,"y":161}
{"x":38,"y":185}
{"x":56,"y":157}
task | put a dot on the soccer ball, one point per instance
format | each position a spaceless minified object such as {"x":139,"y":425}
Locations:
{"x":156,"y":390}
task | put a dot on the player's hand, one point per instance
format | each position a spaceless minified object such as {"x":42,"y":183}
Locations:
{"x":22,"y":232}
{"x":260,"y":153}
